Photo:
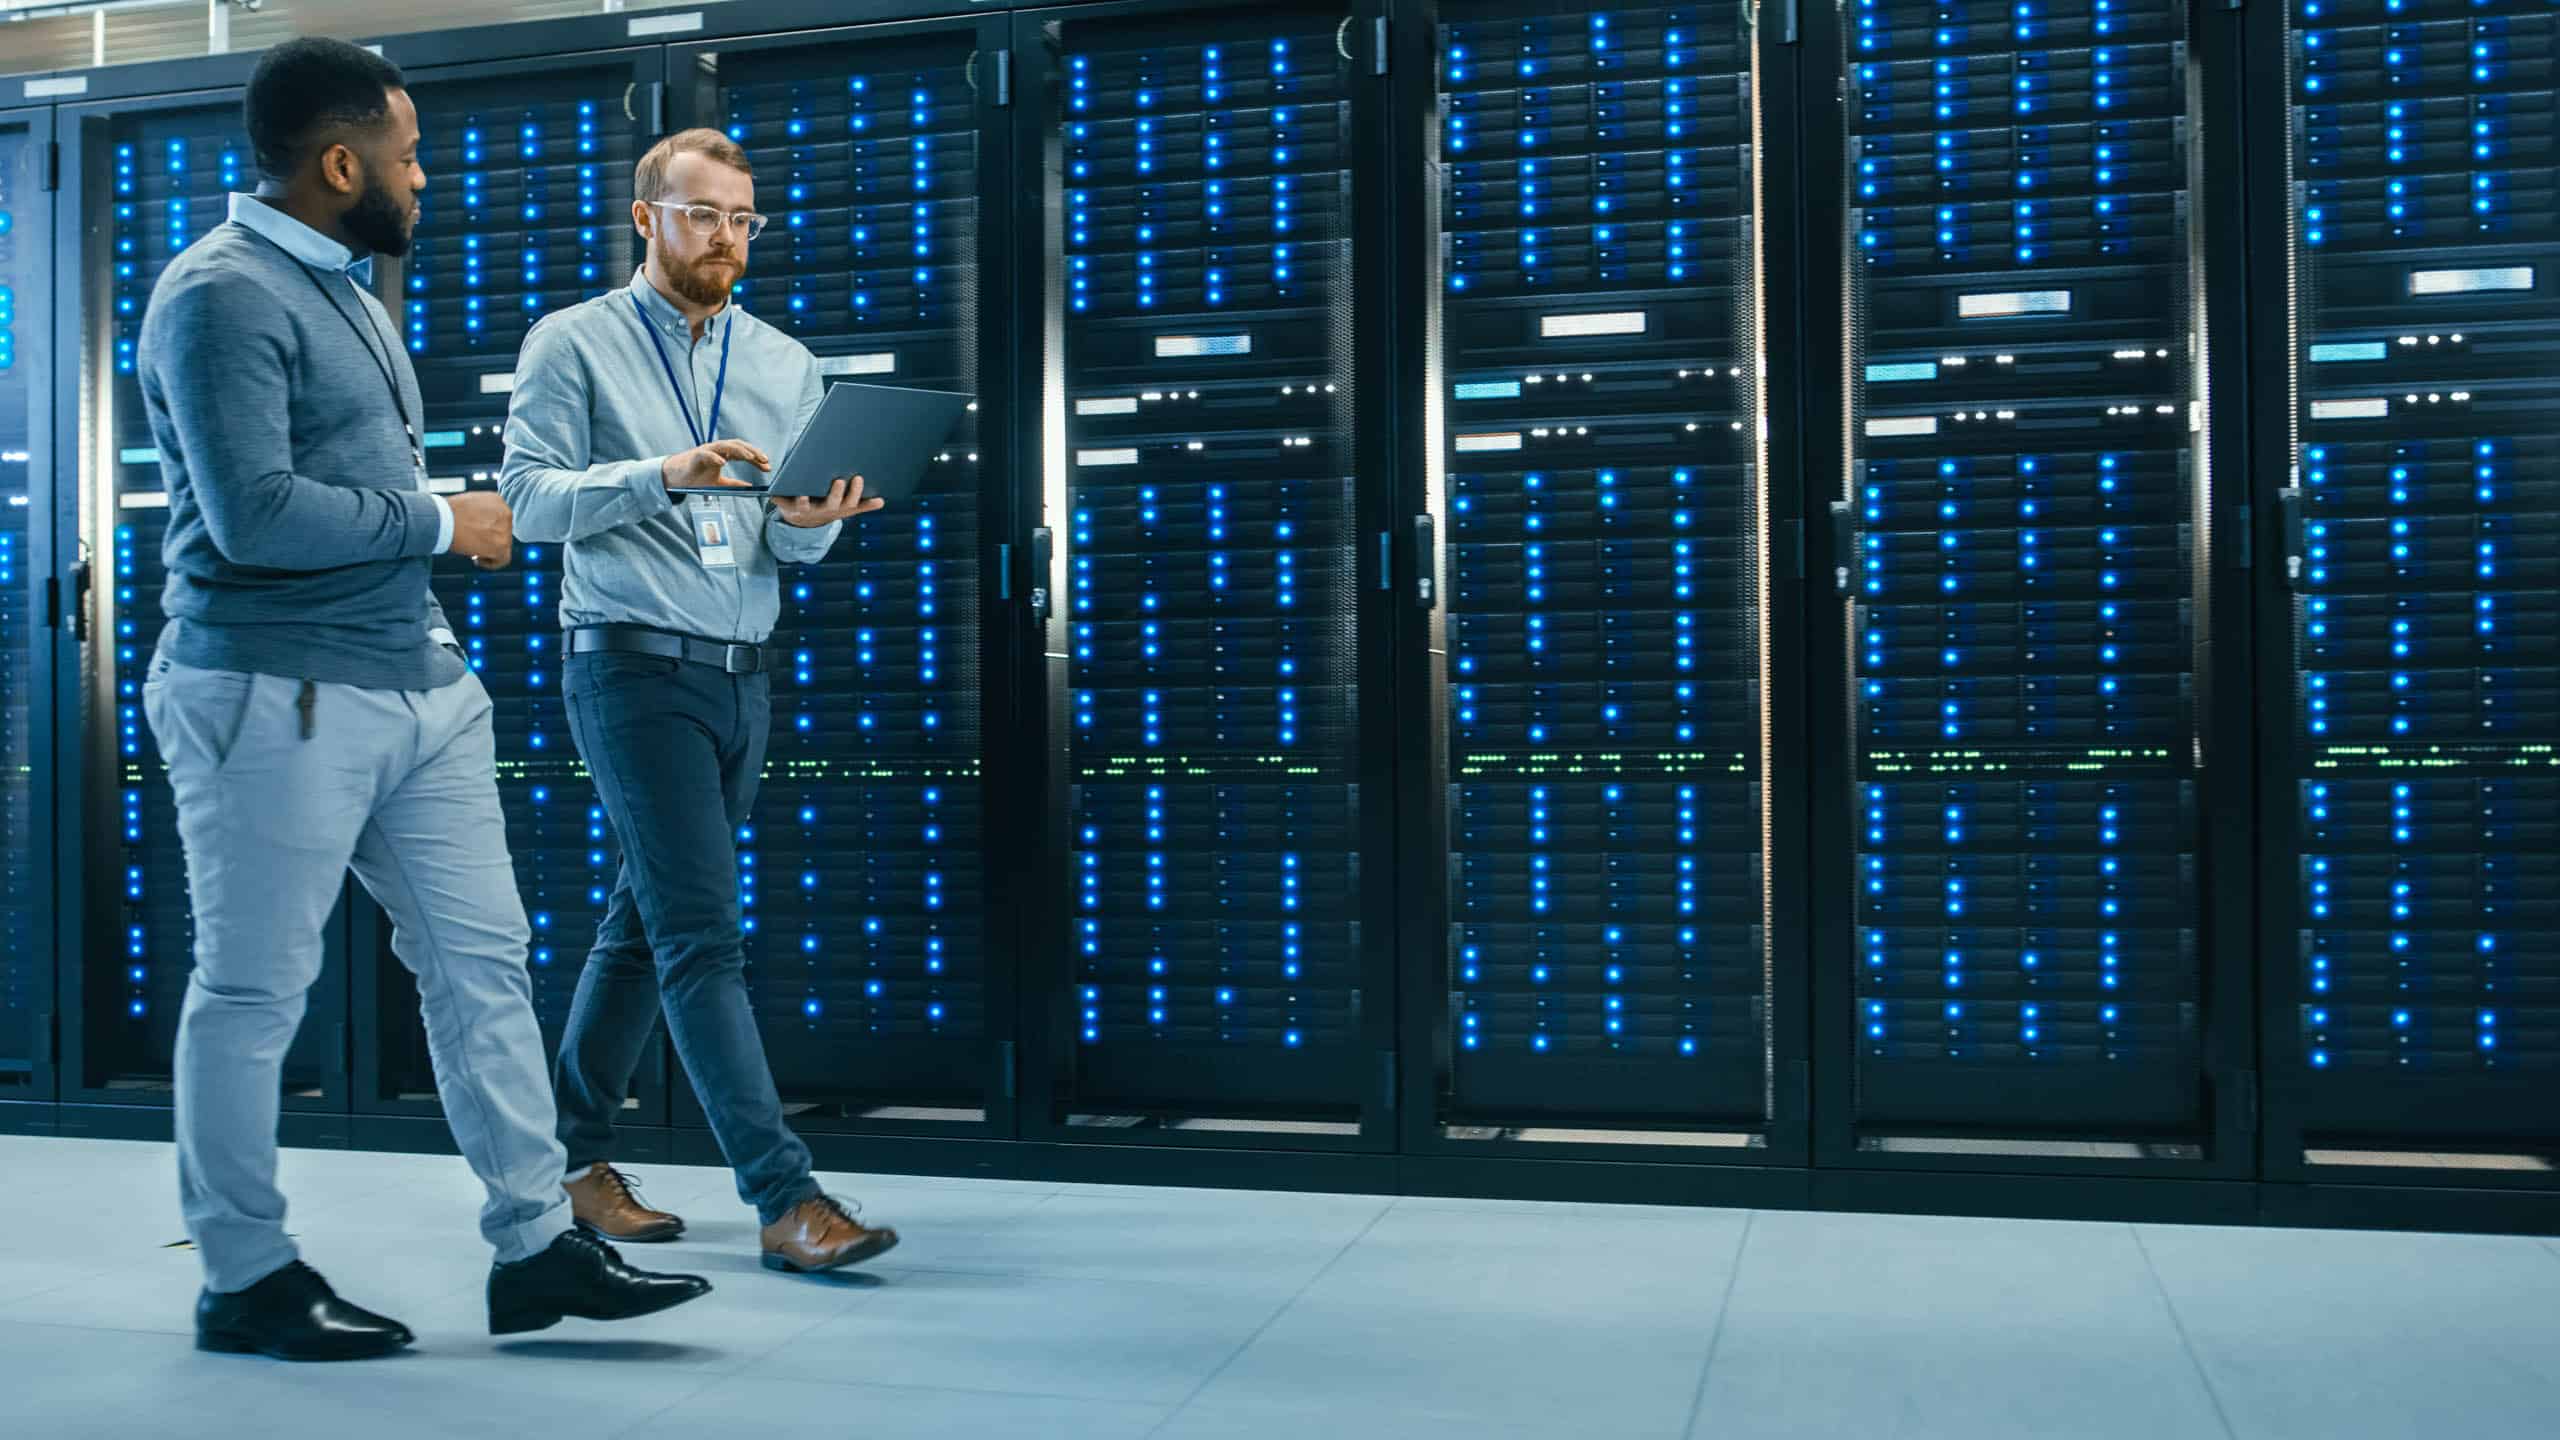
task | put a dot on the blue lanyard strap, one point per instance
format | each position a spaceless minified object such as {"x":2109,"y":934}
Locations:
{"x":702,"y":434}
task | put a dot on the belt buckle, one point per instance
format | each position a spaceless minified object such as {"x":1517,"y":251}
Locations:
{"x":744,"y":659}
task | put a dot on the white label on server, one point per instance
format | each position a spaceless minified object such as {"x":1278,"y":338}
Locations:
{"x":1106,"y":457}
{"x":138,"y":455}
{"x":1506,"y":440}
{"x":884,"y":362}
{"x":2470,"y":282}
{"x":1912,"y":425}
{"x":1108,"y":405}
{"x":504,"y":384}
{"x":683,"y":22}
{"x":446,"y":485}
{"x":57,"y":86}
{"x":2350,"y":409}
{"x":1613,"y":322}
{"x":144,"y":500}
{"x":2007,"y":304}
{"x":1193,"y":347}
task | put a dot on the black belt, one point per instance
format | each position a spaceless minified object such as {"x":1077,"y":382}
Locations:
{"x":633,"y":640}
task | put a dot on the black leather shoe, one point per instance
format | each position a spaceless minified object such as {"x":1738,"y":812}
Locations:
{"x":580,"y":1276}
{"x":294,"y":1315}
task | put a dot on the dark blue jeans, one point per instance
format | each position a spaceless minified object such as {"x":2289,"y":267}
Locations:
{"x":676,"y":750}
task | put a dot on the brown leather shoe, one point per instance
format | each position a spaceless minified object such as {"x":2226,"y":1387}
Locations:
{"x":605,"y":1201}
{"x":821,"y":1234}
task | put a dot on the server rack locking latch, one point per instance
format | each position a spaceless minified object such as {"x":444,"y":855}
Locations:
{"x":1378,"y":45}
{"x":80,"y":577}
{"x":1041,"y":541}
{"x":2289,"y":507}
{"x":1787,"y":17}
{"x":1426,"y":562}
{"x":1843,"y":546}
{"x":1008,"y":1069}
{"x":1386,"y":560}
{"x":1004,"y":79}
{"x":1004,"y":572}
{"x":52,"y":165}
{"x":1386,"y":1080}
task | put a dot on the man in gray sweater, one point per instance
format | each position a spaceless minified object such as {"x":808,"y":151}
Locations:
{"x":314,"y":715}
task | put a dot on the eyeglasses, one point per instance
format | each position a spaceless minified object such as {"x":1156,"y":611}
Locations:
{"x":707,"y":220}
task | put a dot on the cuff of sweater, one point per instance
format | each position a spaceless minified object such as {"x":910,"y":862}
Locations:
{"x":429,"y":521}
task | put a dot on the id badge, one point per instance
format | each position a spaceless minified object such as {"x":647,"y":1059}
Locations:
{"x":712,"y":541}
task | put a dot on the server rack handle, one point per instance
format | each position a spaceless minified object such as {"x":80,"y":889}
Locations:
{"x":1041,"y":541}
{"x":1426,"y":562}
{"x":82,"y":573}
{"x":2289,"y":511}
{"x":1842,"y":541}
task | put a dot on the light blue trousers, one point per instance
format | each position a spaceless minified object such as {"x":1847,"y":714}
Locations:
{"x":400,"y":785}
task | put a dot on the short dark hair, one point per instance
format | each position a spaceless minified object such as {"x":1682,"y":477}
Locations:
{"x":303,"y":88}
{"x":649,"y":178}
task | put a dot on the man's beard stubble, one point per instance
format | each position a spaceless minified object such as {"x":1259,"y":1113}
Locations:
{"x":379,"y":222}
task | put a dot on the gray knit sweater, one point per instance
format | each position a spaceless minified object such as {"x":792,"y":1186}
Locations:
{"x":299,"y":533}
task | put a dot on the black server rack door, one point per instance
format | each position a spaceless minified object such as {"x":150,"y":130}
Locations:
{"x":2022,"y":577}
{"x":26,"y":961}
{"x":1207,"y":806}
{"x":2419,"y":997}
{"x":150,"y":181}
{"x":1602,"y":674}
{"x":870,"y":940}
{"x":527,"y":211}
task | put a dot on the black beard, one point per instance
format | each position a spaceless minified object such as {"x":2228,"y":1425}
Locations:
{"x":378,"y":222}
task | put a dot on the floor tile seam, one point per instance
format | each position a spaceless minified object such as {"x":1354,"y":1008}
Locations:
{"x":1386,"y":1207}
{"x":2186,"y":1341}
{"x":1724,"y":1308}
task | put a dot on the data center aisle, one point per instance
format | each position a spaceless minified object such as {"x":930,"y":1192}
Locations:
{"x":1030,"y":1309}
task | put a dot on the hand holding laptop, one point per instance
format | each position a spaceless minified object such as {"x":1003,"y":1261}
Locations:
{"x":843,"y":500}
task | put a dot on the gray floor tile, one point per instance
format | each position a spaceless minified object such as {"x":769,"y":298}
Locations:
{"x":1963,"y":1329}
{"x":1258,"y":1420}
{"x":2307,"y":1332}
{"x":1516,"y":1318}
{"x":1145,"y":1342}
{"x":1266,"y":1243}
{"x":764,"y":1406}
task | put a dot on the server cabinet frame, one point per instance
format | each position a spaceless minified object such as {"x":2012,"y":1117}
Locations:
{"x":1050,"y":1108}
{"x":1768,"y":1167}
{"x":41,"y":593}
{"x":1004,"y":817}
{"x":2394,"y":1166}
{"x":1852,"y":1167}
{"x":372,"y":970}
{"x":84,"y":698}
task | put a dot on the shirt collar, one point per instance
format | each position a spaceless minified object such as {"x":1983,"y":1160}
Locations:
{"x":663,"y":312}
{"x":293,"y":237}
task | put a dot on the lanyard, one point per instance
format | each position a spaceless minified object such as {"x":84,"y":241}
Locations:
{"x":366,"y":335}
{"x":704,"y":434}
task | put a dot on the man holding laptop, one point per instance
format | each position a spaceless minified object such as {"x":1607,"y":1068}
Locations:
{"x":622,"y":444}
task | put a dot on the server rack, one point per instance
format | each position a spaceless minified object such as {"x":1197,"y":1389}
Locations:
{"x":143,"y":179}
{"x":1612,"y":898}
{"x":2028,"y":967}
{"x":2407,"y":686}
{"x":882,"y":936}
{"x":1211,"y":964}
{"x":527,"y":211}
{"x":26,"y":638}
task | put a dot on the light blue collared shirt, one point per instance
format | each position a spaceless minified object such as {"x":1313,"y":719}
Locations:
{"x":322,"y":253}
{"x":591,"y":422}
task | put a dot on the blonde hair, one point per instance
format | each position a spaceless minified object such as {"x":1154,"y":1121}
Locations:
{"x":649,"y":181}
